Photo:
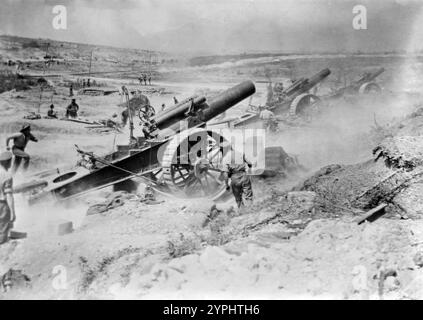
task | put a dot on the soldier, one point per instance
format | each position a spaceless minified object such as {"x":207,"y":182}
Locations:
{"x":88,"y":83}
{"x":163,"y":106}
{"x":87,"y":161}
{"x":144,"y":77}
{"x":175,"y":100}
{"x":269,"y":99}
{"x":20,"y":140}
{"x":149,"y":79}
{"x":147,"y":129}
{"x":268,"y":118}
{"x":236,"y":170}
{"x":71,"y":90}
{"x":51,"y":113}
{"x":72,"y":110}
{"x":7,"y":205}
{"x":149,"y":196}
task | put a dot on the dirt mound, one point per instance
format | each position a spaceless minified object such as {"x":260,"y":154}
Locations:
{"x":403,"y":152}
{"x":307,"y":266}
{"x":393,"y":176}
{"x":342,"y":186}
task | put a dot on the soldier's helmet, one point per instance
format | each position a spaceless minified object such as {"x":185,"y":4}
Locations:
{"x":26,"y":126}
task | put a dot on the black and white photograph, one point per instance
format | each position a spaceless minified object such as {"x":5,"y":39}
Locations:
{"x":211,"y":150}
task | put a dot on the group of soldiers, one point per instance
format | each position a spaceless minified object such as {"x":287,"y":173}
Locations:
{"x":71,"y":110}
{"x":144,"y":77}
{"x":10,"y":162}
{"x":84,"y":83}
{"x":81,"y":83}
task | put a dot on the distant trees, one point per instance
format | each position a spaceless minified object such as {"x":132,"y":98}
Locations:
{"x":31,"y":44}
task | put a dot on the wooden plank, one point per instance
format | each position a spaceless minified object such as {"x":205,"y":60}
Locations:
{"x":373,"y":214}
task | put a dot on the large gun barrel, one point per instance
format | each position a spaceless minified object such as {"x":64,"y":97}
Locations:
{"x":370,"y":76}
{"x":295,"y":86}
{"x":318,"y":77}
{"x":228,"y":99}
{"x":178,"y":112}
{"x":215,"y":106}
{"x":211,"y":108}
{"x":304,"y":85}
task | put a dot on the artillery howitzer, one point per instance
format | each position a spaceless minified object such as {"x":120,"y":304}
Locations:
{"x":364,"y":85}
{"x":293,"y":100}
{"x":183,"y":157}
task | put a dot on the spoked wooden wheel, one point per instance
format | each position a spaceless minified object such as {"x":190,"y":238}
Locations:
{"x":302,"y":104}
{"x":192,"y":164}
{"x":370,"y":88}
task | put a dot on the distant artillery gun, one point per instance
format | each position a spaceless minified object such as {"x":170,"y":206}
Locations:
{"x":184,"y":158}
{"x":364,"y":85}
{"x":292,"y":101}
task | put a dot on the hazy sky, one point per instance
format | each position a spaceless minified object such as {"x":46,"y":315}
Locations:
{"x":219,"y":26}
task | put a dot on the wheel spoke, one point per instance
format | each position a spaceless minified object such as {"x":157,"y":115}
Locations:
{"x":207,"y":181}
{"x":190,"y":184}
{"x":181,"y":174}
{"x":202,"y":187}
{"x":214,"y":178}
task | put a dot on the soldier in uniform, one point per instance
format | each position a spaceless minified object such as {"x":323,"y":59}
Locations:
{"x":268,"y":118}
{"x":149,"y":196}
{"x":20,"y":140}
{"x":72,"y":109}
{"x":51,"y":113}
{"x":7,"y":206}
{"x":236,"y":170}
{"x":148,"y":128}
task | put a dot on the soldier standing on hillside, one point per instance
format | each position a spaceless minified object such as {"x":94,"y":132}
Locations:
{"x":72,"y":110}
{"x":269,"y":120}
{"x":20,"y":140}
{"x":236,"y":170}
{"x":7,"y":204}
